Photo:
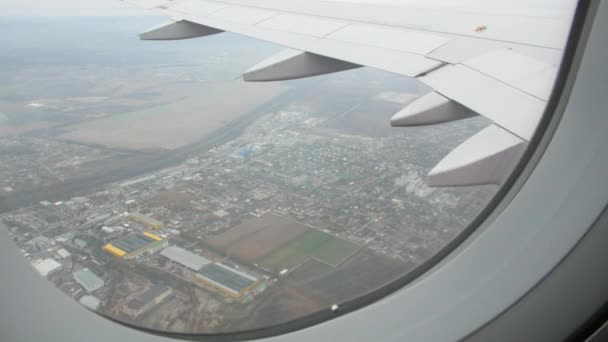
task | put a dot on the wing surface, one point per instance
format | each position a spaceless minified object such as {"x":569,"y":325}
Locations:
{"x":496,"y":61}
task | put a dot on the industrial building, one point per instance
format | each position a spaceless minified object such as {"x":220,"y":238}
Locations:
{"x":146,"y":220}
{"x":47,"y":266}
{"x":226,"y":279}
{"x":135,"y":244}
{"x":146,"y":300}
{"x":88,"y":280}
{"x":90,"y":302}
{"x":96,"y":220}
{"x":63,"y":253}
{"x":186,"y":258}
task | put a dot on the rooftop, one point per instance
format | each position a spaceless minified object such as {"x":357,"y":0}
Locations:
{"x":226,"y":278}
{"x":134,"y":242}
{"x":90,"y":302}
{"x":145,"y":219}
{"x":46,"y":266}
{"x":63,"y":253}
{"x":88,"y":280}
{"x":184,"y":257}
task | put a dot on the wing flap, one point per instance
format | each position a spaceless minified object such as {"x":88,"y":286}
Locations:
{"x":302,"y":24}
{"x":507,"y":106}
{"x":522,"y":72}
{"x":389,"y":38}
{"x":242,"y":15}
{"x":203,"y":8}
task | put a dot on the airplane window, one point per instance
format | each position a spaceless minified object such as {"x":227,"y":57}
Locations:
{"x":147,"y":181}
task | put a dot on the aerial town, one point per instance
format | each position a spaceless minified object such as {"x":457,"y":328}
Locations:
{"x":192,"y":246}
{"x":175,"y":198}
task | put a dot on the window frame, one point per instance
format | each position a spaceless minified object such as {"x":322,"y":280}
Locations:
{"x":438,"y":310}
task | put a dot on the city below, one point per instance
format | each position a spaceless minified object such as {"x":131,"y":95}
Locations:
{"x":243,"y":208}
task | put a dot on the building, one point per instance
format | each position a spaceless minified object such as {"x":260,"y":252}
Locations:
{"x":88,"y":280}
{"x":41,"y":243}
{"x":96,"y":220}
{"x":82,"y":244}
{"x":186,"y":258}
{"x":136,"y":244}
{"x":146,"y":221}
{"x":107,"y":230}
{"x":146,"y":300}
{"x":65,"y":237}
{"x":90,"y":302}
{"x":63,"y":253}
{"x":226,"y":279}
{"x":47,"y":266}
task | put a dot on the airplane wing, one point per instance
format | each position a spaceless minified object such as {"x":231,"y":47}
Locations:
{"x":499,"y":62}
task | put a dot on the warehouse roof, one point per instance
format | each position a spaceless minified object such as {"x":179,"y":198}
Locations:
{"x":47,"y":266}
{"x":145,"y":219}
{"x":135,"y":242}
{"x":89,"y":280}
{"x":227,"y":278}
{"x":90,"y":302}
{"x":184,"y":257}
{"x":63,"y":253}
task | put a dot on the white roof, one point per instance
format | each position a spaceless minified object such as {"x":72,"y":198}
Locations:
{"x":63,"y":253}
{"x":90,"y":302}
{"x":107,"y":229}
{"x":88,"y":280}
{"x":184,"y":257}
{"x":46,"y":266}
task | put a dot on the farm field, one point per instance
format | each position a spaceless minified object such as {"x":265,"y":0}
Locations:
{"x":254,"y":239}
{"x":363,"y":272}
{"x":313,"y":244}
{"x":177,"y":124}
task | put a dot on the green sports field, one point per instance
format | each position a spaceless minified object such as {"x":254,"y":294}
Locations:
{"x":313,"y":244}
